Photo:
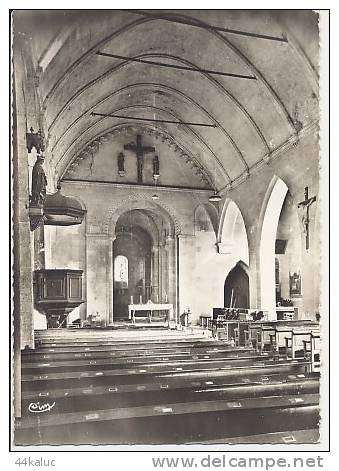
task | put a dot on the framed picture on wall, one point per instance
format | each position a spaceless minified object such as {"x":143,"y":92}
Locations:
{"x":295,"y":284}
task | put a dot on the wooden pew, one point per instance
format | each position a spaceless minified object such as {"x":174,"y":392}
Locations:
{"x":312,"y":351}
{"x":300,"y":337}
{"x":284,"y":330}
{"x":131,"y":392}
{"x":270,"y":336}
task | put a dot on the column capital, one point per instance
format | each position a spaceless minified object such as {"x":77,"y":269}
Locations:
{"x":101,"y":235}
{"x":185,"y":236}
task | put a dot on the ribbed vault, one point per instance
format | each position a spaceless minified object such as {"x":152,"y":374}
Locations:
{"x":251,"y":117}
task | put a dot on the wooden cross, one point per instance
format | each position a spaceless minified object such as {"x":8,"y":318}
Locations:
{"x":140,"y":150}
{"x":306,"y":217}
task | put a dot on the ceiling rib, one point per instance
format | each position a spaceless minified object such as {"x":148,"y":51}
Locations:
{"x":103,"y":42}
{"x":215,"y":83}
{"x":201,"y":24}
{"x":172,"y":90}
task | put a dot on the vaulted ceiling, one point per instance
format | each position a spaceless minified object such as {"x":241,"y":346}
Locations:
{"x":275,"y":98}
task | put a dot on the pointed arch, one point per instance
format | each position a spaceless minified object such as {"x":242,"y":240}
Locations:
{"x":269,"y":218}
{"x":232,"y":234}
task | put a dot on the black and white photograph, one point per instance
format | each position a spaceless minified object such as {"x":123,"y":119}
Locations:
{"x":168,"y":245}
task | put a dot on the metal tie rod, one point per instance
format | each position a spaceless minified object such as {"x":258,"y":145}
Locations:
{"x":173,"y":66}
{"x":153,"y":120}
{"x":201,"y":24}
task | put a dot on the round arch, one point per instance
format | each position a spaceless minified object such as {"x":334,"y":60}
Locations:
{"x":139,"y":202}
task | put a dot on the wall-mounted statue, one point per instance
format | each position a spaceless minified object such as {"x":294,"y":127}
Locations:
{"x":121,"y":164}
{"x":35,"y":139}
{"x":39,"y":183}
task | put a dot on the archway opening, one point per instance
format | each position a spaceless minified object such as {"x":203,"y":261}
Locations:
{"x":232,"y":234}
{"x":143,"y":261}
{"x":280,"y":252}
{"x":288,"y":260}
{"x":236,"y":288}
{"x":132,"y":268}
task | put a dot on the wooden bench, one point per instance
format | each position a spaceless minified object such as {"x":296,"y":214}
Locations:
{"x":283,"y":330}
{"x":303,"y":340}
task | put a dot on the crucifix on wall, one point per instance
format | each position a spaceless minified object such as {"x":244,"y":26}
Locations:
{"x":140,"y":150}
{"x":305,"y":219}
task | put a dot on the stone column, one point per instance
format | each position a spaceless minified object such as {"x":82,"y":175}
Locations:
{"x":171,"y":273}
{"x":99,"y":275}
{"x":163,"y":269}
{"x":186,"y":268}
{"x":23,"y":327}
{"x":155,"y":273}
{"x":254,"y":269}
{"x":23,"y":281}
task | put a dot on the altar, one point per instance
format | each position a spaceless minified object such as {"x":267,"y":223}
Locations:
{"x":148,"y":309}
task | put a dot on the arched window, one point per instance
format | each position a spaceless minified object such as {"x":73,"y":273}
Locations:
{"x":121,"y":270}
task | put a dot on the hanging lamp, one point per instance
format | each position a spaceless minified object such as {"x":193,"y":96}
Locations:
{"x":215,"y":198}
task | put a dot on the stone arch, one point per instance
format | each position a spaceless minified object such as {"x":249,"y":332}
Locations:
{"x":144,"y":218}
{"x":138,"y":201}
{"x":211,"y":213}
{"x":268,"y":225}
{"x":93,"y":146}
{"x":232,"y":235}
{"x":236,"y":287}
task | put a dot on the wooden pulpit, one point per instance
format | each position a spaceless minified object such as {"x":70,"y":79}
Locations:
{"x":57,"y":292}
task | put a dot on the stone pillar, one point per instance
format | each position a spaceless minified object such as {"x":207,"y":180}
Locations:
{"x":171,"y":272}
{"x":23,"y":328}
{"x":99,"y":275}
{"x":155,"y":274}
{"x":23,"y":296}
{"x":163,"y":268}
{"x":186,"y":269}
{"x":253,"y":271}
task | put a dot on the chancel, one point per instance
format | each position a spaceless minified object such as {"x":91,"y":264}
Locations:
{"x":166,"y":249}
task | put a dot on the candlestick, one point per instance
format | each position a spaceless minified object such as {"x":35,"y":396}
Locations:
{"x":131,"y":299}
{"x":140,"y":299}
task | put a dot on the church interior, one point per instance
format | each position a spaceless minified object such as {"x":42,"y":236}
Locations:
{"x":166,"y":226}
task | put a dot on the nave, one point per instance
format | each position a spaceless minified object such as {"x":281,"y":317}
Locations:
{"x":164,"y":387}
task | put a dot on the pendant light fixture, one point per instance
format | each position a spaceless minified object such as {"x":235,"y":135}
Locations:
{"x":155,"y":196}
{"x":215,"y":198}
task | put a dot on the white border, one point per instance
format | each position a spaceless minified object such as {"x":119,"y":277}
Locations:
{"x":142,"y":460}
